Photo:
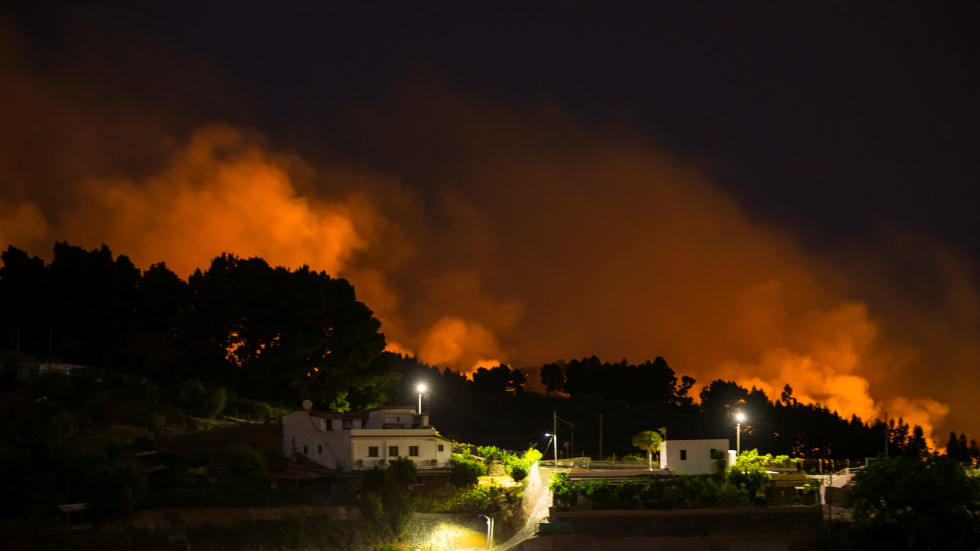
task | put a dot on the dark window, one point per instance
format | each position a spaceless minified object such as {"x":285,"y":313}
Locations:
{"x":319,"y":448}
{"x":683,"y":455}
{"x":305,"y":450}
{"x":372,"y":451}
{"x":440,"y":447}
{"x":392,"y":451}
{"x":711,"y":454}
{"x":329,"y":424}
{"x":348,"y":424}
{"x":413,"y":451}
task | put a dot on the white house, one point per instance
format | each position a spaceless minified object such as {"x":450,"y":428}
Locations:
{"x":364,"y":439}
{"x":695,"y":456}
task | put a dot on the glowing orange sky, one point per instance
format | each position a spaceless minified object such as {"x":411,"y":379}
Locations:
{"x":536,"y":239}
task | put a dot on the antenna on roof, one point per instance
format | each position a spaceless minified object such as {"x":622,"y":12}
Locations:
{"x":307,"y":405}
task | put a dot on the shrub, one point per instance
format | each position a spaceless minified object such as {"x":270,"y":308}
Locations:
{"x":157,"y":422}
{"x":730,"y":495}
{"x":491,"y":453}
{"x":215,"y":403}
{"x":403,"y":472}
{"x":193,"y":397}
{"x":692,"y":491}
{"x":371,"y":509}
{"x":246,"y":463}
{"x":752,"y":480}
{"x":518,"y":473}
{"x":466,"y":470}
{"x":391,"y":485}
{"x":565,"y":495}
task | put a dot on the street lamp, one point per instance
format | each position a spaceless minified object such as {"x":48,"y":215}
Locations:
{"x":739,"y":417}
{"x":554,"y":438}
{"x":489,"y":531}
{"x":421,"y":389}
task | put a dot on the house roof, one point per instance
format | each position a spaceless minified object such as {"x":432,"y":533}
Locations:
{"x":359,"y":414}
{"x":618,"y":475}
{"x":304,"y":469}
{"x":392,"y":436}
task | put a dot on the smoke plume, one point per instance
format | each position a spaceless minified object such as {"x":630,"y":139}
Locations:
{"x":481,"y":233}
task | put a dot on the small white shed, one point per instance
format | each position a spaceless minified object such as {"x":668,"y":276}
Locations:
{"x":695,"y":456}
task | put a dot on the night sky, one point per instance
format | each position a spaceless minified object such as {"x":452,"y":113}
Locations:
{"x":764,"y":193}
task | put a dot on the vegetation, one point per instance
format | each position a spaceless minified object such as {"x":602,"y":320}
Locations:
{"x":517,"y":466}
{"x":169,"y":358}
{"x":927,"y":502}
{"x":677,"y":492}
{"x":242,"y":333}
{"x":750,"y":459}
{"x":386,"y":503}
{"x":648,"y":441}
{"x":269,"y":334}
{"x":466,"y":470}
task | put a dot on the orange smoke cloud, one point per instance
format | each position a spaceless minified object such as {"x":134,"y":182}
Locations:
{"x":457,"y":342}
{"x":537,"y":238}
{"x":617,"y":248}
{"x":20,"y":224}
{"x":222,"y":193}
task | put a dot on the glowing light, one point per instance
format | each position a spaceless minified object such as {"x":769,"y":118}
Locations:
{"x":421,"y":388}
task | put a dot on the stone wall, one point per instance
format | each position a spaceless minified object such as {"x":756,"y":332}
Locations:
{"x":692,"y":522}
{"x":790,"y":528}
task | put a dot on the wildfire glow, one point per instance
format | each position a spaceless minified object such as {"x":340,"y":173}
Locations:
{"x":537,"y":239}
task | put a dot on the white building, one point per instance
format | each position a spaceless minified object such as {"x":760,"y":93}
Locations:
{"x":695,"y":456}
{"x":364,"y":439}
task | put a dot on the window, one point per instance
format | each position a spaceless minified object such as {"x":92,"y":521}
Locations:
{"x":329,"y":424}
{"x":711,"y":453}
{"x":683,"y":455}
{"x":372,"y":451}
{"x":306,"y":451}
{"x":440,"y":447}
{"x":319,"y":448}
{"x":392,"y":451}
{"x":413,"y":451}
{"x":348,"y":424}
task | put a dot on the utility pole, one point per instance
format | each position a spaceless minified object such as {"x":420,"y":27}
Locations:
{"x":554,"y":422}
{"x":600,"y":437}
{"x":571,"y":440}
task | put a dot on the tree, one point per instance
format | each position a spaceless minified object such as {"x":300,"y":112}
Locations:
{"x":653,"y":382}
{"x":909,"y":502}
{"x":552,"y":377}
{"x":276,"y":331}
{"x":649,"y":441}
{"x":957,"y":448}
{"x":721,"y":399}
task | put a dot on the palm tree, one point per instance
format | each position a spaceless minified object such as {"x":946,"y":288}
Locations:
{"x":648,"y":440}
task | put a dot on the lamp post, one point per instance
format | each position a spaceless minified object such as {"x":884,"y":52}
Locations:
{"x":739,"y":417}
{"x":554,"y":439}
{"x":489,"y":531}
{"x":421,"y":389}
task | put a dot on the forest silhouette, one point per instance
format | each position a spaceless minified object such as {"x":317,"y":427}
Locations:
{"x":284,"y":336}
